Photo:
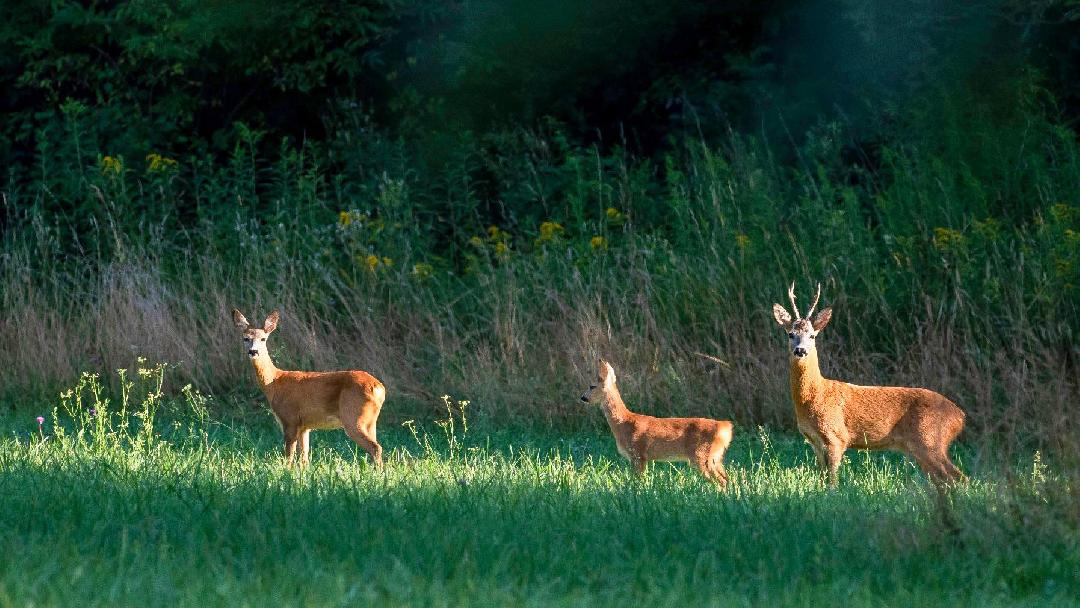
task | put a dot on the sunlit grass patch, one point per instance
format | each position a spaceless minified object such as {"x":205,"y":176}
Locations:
{"x":190,"y":510}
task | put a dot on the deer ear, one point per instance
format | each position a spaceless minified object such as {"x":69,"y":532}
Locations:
{"x":821,"y":319}
{"x":240,"y":320}
{"x":607,"y":373}
{"x":781,"y":314}
{"x":271,"y":322}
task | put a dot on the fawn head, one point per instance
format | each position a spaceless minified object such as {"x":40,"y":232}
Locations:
{"x":605,"y":379}
{"x":801,"y":331}
{"x":255,"y":337}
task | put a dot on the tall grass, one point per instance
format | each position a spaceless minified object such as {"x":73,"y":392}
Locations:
{"x":951,"y":260}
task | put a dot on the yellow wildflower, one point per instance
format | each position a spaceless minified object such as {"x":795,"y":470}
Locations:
{"x":612,"y":213}
{"x":549,"y":230}
{"x":501,"y":249}
{"x":947,"y":238}
{"x":476,"y":241}
{"x":159,"y":163}
{"x":1061,"y":212}
{"x":598,"y":242}
{"x":742,"y":241}
{"x":110,"y":164}
{"x":989,"y":228}
{"x":344,"y":218}
{"x":372,"y":261}
{"x":493,"y":232}
{"x":1062,"y":267}
{"x":387,"y":261}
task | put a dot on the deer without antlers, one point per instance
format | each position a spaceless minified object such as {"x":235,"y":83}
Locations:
{"x":834,"y":415}
{"x":641,"y":439}
{"x":303,"y":401}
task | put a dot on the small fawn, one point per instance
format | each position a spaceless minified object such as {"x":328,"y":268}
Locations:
{"x":641,"y":439}
{"x":302,"y":401}
{"x":834,"y":416}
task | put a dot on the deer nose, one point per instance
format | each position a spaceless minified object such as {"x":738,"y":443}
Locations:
{"x":585,"y":398}
{"x":253,"y":352}
{"x":799,"y":352}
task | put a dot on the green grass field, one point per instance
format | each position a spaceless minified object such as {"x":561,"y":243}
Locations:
{"x":188,"y":511}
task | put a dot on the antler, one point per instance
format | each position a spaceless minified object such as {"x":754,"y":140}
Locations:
{"x":814,"y":305}
{"x":791,"y":296}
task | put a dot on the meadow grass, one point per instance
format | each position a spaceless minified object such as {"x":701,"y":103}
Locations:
{"x":156,"y":503}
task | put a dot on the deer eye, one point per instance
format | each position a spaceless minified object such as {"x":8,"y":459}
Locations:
{"x":791,"y":334}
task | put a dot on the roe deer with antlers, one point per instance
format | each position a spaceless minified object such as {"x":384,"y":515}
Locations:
{"x":834,"y":416}
{"x":303,"y":401}
{"x":641,"y":439}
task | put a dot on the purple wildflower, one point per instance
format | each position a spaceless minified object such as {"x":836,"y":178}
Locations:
{"x":40,"y":420}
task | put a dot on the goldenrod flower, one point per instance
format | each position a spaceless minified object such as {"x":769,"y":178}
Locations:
{"x":112,"y":165}
{"x":159,"y":163}
{"x":549,"y":230}
{"x":372,"y":261}
{"x":598,"y":242}
{"x":344,"y":218}
{"x":947,"y":238}
{"x":1062,"y":267}
{"x":1061,"y":211}
{"x":989,"y":228}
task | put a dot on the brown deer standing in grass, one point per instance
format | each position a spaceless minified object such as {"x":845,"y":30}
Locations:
{"x":302,"y":401}
{"x":641,"y":439}
{"x":834,"y":416}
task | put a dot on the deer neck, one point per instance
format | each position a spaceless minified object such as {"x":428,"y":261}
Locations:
{"x":265,"y":370}
{"x":614,"y":409}
{"x":806,"y":379}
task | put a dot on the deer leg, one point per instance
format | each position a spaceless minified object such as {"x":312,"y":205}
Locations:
{"x":305,"y":447}
{"x":951,"y":470}
{"x":931,"y":464}
{"x":357,"y":421}
{"x":369,"y":416}
{"x":702,"y":464}
{"x":719,"y":473}
{"x":711,"y":463}
{"x":291,"y":434}
{"x":834,"y":454}
{"x":819,"y":451}
{"x":639,"y":465}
